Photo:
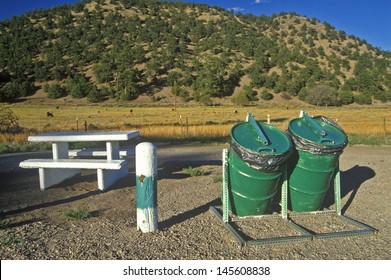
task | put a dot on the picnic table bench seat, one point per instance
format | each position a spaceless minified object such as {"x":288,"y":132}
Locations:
{"x":81,"y":153}
{"x":54,"y":171}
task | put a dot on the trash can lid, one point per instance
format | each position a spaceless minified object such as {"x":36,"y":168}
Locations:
{"x":260,"y":138}
{"x":317,"y":131}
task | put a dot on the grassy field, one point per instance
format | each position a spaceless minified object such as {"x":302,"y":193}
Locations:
{"x":202,"y":123}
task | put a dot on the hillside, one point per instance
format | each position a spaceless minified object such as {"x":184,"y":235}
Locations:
{"x":154,"y":52}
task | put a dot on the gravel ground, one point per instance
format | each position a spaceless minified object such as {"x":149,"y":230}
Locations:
{"x":34,"y":226}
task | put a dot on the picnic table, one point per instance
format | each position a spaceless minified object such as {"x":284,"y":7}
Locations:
{"x":61,"y":167}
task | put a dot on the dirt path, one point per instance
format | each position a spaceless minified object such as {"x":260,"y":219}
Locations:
{"x":37,"y":229}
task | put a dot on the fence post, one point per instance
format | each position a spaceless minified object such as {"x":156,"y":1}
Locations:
{"x":146,"y":187}
{"x":385,"y":127}
{"x":187,"y":127}
{"x":180,"y":123}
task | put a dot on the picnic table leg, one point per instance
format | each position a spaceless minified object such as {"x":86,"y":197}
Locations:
{"x":51,"y":176}
{"x":112,"y":148}
{"x":48,"y":176}
{"x":106,"y":178}
{"x":60,"y":150}
{"x":146,"y":187}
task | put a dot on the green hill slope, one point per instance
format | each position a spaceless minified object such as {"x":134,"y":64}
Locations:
{"x":134,"y":50}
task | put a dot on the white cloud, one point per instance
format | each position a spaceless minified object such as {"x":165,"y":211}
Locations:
{"x":261,"y":1}
{"x":236,"y":9}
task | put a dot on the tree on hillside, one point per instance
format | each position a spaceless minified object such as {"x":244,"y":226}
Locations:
{"x":245,"y":96}
{"x":55,"y":90}
{"x":129,"y":84}
{"x":345,"y":97}
{"x":15,"y":88}
{"x":78,"y":86}
{"x":258,"y":71}
{"x":363,"y":99}
{"x":96,"y":95}
{"x":103,"y":71}
{"x":322,"y":95}
{"x":212,"y":80}
{"x":266,"y":95}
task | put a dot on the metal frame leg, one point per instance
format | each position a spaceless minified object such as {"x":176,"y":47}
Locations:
{"x":225,"y":187}
{"x":222,"y":214}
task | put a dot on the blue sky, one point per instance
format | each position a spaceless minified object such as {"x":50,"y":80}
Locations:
{"x":367,"y":19}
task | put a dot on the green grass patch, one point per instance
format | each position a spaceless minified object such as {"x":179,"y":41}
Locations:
{"x":77,"y":214}
{"x":9,"y":240}
{"x":218,"y":178}
{"x":195,"y":171}
{"x":355,"y":139}
{"x":23,"y":147}
{"x":3,"y":225}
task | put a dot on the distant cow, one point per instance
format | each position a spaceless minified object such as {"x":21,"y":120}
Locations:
{"x":48,"y":114}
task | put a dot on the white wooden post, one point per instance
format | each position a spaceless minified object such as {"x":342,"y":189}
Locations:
{"x":146,"y":187}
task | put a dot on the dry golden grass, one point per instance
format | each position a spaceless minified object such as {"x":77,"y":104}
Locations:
{"x":185,"y":122}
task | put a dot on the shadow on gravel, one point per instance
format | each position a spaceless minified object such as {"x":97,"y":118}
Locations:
{"x":26,"y":222}
{"x":188,"y":214}
{"x":49,"y":203}
{"x":351,"y":181}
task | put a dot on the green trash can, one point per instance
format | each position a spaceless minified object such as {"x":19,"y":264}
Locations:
{"x":318,"y":143}
{"x":257,"y":160}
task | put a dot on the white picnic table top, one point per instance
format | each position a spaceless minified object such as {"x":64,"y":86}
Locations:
{"x":73,"y":136}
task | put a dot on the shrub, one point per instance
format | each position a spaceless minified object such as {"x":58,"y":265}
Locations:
{"x":363,"y":99}
{"x":345,"y":97}
{"x":96,"y":95}
{"x":14,"y":89}
{"x":8,"y":121}
{"x":181,"y":92}
{"x":245,"y":96}
{"x":55,"y":90}
{"x":286,"y":96}
{"x":9,"y":240}
{"x":195,"y":171}
{"x":383,"y":96}
{"x":3,"y":225}
{"x":78,"y":86}
{"x":77,"y":214}
{"x":266,"y":95}
{"x":322,"y":95}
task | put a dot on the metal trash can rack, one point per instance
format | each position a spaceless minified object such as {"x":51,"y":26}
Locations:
{"x":228,"y":216}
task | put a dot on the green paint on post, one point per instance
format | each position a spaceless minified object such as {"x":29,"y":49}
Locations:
{"x":146,"y":192}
